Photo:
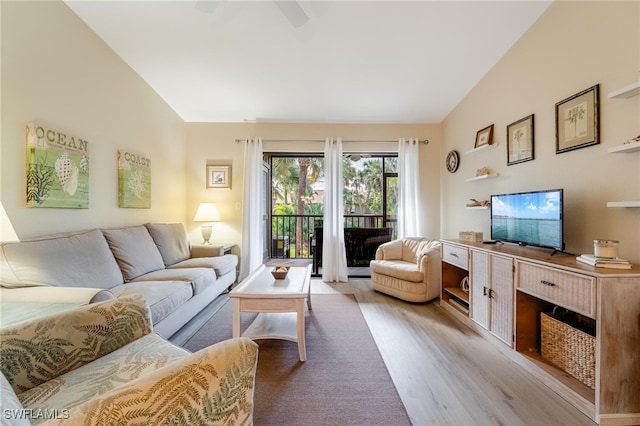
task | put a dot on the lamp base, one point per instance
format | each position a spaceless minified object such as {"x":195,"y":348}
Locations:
{"x":206,"y":233}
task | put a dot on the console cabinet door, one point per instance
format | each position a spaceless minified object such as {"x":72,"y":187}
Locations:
{"x":479,"y":284}
{"x":502,"y":298}
{"x":492,"y":294}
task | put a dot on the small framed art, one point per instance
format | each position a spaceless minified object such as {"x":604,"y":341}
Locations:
{"x":484,"y":137}
{"x":219,"y":177}
{"x":520,"y":137}
{"x":578,"y":120}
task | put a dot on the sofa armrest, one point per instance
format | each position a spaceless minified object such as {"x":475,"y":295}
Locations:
{"x":202,"y":250}
{"x":49,"y":294}
{"x":213,"y":386}
{"x":38,"y":350}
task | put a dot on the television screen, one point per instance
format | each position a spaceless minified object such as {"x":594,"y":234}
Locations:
{"x":528,"y":218}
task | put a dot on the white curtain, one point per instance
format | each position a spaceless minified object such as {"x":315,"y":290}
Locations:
{"x":251,"y":253}
{"x":408,"y":188}
{"x":334,"y":255}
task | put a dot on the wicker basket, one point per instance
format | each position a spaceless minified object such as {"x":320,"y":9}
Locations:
{"x":569,"y":348}
{"x":470,"y":236}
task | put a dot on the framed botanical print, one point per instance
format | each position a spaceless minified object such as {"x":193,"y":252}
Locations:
{"x":219,"y":177}
{"x":520,"y":138}
{"x":578,"y":120}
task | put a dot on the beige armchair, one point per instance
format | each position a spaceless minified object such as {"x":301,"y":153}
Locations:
{"x":408,"y":269}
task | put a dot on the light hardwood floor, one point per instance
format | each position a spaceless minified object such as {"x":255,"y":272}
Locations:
{"x":446,"y":373}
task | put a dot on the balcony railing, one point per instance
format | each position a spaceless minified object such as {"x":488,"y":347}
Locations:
{"x":285,"y":235}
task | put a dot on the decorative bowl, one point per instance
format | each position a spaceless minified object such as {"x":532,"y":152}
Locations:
{"x":280,"y":272}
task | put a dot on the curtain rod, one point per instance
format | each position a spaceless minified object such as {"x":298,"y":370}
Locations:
{"x":426,"y":141}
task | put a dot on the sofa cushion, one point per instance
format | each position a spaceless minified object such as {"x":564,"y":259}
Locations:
{"x":163,"y":297}
{"x":172,"y":241}
{"x":76,"y":260}
{"x":221,"y":264}
{"x":136,"y":359}
{"x":407,"y":271}
{"x":134,"y":250}
{"x":199,"y":278}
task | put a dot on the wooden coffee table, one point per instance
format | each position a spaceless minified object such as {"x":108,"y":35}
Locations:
{"x":279,"y":302}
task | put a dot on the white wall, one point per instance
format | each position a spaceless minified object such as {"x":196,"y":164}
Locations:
{"x":57,"y":72}
{"x":573,"y":46}
{"x":208,"y":142}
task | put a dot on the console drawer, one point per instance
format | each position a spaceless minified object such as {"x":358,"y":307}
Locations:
{"x":572,"y":291}
{"x":455,"y":255}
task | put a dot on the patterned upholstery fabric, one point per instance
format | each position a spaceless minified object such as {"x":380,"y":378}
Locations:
{"x":100,"y":364}
{"x":136,"y":359}
{"x":214,"y":386}
{"x":36,"y":351}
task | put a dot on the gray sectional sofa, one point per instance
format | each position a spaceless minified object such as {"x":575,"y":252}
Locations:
{"x":155,"y":260}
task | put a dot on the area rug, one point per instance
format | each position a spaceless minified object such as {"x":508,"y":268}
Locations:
{"x":343,"y":382}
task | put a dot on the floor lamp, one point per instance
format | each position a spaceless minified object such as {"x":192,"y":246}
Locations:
{"x":207,"y":212}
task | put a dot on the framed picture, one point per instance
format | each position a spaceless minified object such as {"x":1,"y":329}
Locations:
{"x":57,"y":173}
{"x":578,"y":120}
{"x":218,"y":176}
{"x":134,"y":180}
{"x":520,"y":141}
{"x":484,"y":137}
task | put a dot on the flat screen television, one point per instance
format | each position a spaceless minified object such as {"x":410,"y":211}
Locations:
{"x":529,"y":218}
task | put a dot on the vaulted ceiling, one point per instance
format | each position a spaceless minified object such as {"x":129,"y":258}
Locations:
{"x":350,"y":62}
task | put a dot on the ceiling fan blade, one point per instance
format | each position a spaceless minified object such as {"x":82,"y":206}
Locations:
{"x":207,"y":6}
{"x":293,"y":12}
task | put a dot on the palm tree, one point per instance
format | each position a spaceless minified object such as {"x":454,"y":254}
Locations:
{"x":284,"y":177}
{"x":310,"y":169}
{"x":372,"y":178}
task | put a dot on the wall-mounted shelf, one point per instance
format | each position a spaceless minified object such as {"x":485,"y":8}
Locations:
{"x":480,"y":148}
{"x":481,"y":177}
{"x":626,"y":92}
{"x":623,"y":203}
{"x":477,"y":208}
{"x":624,"y":148}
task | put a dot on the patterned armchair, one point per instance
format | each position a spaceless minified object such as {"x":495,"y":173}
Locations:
{"x":101,"y":364}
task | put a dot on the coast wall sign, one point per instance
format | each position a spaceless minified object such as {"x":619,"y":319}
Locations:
{"x":134,"y":180}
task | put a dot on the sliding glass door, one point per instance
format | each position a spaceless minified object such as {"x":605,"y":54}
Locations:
{"x":296,"y":201}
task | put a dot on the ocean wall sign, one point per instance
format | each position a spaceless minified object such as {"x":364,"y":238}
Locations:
{"x":57,"y":169}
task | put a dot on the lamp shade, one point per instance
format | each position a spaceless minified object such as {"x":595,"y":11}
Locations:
{"x":207,"y":212}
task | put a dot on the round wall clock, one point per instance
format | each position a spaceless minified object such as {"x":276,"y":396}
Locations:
{"x":453,"y":161}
